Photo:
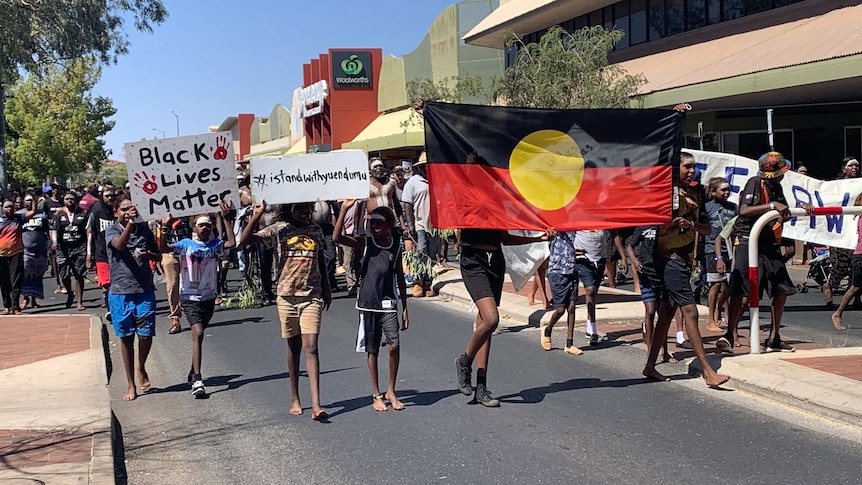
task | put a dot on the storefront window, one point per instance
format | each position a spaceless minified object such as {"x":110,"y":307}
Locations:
{"x":621,"y":21}
{"x":656,"y":19}
{"x":853,"y":141}
{"x":582,"y":22}
{"x":753,"y":144}
{"x":569,"y":26}
{"x":695,"y":16}
{"x":595,"y":18}
{"x":713,"y":11}
{"x":733,"y":9}
{"x":638,"y":31}
{"x":675,"y":16}
{"x":608,"y":17}
{"x":754,"y":6}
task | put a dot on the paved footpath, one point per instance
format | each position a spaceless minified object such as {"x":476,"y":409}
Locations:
{"x":55,"y":416}
{"x":825,"y":380}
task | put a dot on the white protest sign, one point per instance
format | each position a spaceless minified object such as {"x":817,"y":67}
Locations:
{"x":187,"y":175}
{"x":523,"y":260}
{"x":336,"y":175}
{"x":838,"y":231}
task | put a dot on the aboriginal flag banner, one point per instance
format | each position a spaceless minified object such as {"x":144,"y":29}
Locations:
{"x":493,"y":167}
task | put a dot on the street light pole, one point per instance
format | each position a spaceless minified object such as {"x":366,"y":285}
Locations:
{"x":160,"y":131}
{"x":178,"y":121}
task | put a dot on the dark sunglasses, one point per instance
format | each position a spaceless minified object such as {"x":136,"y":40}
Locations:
{"x":124,"y":209}
{"x":108,"y":195}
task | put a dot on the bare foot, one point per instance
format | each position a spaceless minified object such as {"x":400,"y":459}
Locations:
{"x":393,"y":400}
{"x":295,"y":407}
{"x":378,"y":404}
{"x":131,"y":395}
{"x":714,"y":379}
{"x":531,"y":301}
{"x":144,"y":380}
{"x":319,"y":415}
{"x":836,"y":320}
{"x":713,"y":327}
{"x":668,"y":359}
{"x":651,"y":373}
{"x":81,"y":308}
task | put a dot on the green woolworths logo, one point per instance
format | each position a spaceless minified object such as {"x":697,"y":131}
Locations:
{"x":352,"y":65}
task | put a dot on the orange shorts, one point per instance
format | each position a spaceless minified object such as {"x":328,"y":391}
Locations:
{"x":103,"y":274}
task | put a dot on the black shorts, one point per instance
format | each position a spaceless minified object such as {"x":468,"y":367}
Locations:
{"x":772,"y":273}
{"x":564,"y":288}
{"x":856,"y":273}
{"x":379,"y":325}
{"x":483,"y":273}
{"x":198,"y":311}
{"x":72,"y":262}
{"x":676,"y":281}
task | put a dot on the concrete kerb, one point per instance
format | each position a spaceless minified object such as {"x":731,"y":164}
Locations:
{"x":766,"y":375}
{"x":102,"y":456}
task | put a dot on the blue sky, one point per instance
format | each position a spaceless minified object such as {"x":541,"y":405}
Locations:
{"x":218,"y":58}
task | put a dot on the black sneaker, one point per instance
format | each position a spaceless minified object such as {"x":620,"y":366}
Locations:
{"x":594,"y":340}
{"x":464,"y":375}
{"x":777,"y":345}
{"x":684,"y":345}
{"x":191,"y":377}
{"x":484,"y":397}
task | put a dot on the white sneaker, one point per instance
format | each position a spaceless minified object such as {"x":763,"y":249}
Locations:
{"x":198,"y":389}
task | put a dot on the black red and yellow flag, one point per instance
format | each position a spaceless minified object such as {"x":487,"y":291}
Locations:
{"x":497,"y":167}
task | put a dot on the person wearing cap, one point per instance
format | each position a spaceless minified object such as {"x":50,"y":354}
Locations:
{"x":49,"y":204}
{"x":761,"y":194}
{"x":840,"y":257}
{"x":198,"y":256}
{"x":303,"y":292}
{"x":416,"y":222}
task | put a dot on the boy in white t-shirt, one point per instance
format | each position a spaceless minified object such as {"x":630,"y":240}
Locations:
{"x":199,"y":259}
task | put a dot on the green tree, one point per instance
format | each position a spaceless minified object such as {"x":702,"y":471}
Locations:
{"x":37,"y":34}
{"x":568,"y":71}
{"x":454,"y":89}
{"x":58,"y":122}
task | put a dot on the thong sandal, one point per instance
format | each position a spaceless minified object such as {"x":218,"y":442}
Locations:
{"x":176,"y":328}
{"x":322,"y":416}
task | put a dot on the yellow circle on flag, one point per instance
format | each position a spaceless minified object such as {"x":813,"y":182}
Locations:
{"x":547,"y":168}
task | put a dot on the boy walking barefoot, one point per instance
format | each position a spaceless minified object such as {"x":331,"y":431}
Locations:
{"x":376,"y":302}
{"x":198,"y":262}
{"x":303,"y":292}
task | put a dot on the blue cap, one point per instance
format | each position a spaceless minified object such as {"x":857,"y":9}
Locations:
{"x":47,"y":188}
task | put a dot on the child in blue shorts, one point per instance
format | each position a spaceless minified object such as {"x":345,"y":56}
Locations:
{"x":132,"y":297}
{"x":640,"y":247}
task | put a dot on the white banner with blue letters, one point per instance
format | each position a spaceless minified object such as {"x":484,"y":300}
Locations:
{"x":838,"y":230}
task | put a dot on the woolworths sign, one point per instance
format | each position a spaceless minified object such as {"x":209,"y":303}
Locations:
{"x":351,"y":69}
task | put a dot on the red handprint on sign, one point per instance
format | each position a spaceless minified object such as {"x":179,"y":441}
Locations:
{"x":221,"y":148}
{"x":145,"y":182}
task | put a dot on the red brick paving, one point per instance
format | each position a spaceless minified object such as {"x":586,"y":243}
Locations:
{"x":26,"y":339}
{"x":849,"y":366}
{"x":25,"y":448}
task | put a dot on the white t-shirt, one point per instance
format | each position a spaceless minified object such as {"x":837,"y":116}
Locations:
{"x":596,"y":244}
{"x":199,"y":262}
{"x":416,"y":194}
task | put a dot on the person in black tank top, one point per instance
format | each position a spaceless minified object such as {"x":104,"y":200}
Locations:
{"x":377,"y":299}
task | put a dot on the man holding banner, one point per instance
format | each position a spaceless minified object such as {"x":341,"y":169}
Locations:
{"x":762,"y":193}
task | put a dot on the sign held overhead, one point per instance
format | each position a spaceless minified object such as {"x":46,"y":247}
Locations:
{"x":337,"y":175}
{"x":184,"y":176}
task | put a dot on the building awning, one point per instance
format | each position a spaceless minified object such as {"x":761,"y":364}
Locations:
{"x":269,"y":148}
{"x":797,"y":43}
{"x":398,"y":129}
{"x":299,"y":147}
{"x":523,"y":17}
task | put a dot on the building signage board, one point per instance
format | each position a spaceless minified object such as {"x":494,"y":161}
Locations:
{"x":313,"y":98}
{"x":342,"y":174}
{"x":184,"y":176}
{"x":351,"y":69}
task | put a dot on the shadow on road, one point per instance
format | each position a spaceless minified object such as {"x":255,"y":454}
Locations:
{"x":238,"y":321}
{"x":410,"y":398}
{"x":537,"y":394}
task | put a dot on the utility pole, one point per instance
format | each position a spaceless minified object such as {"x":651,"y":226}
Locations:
{"x":178,"y":121}
{"x":4,"y":177}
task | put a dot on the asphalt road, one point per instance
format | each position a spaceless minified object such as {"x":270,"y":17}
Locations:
{"x":586,"y":419}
